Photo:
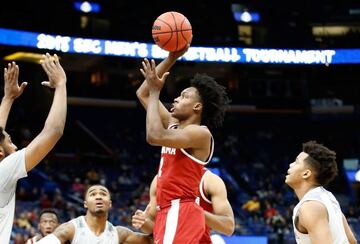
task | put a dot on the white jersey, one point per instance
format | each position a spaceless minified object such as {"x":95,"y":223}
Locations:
{"x":337,"y":229}
{"x":12,"y":168}
{"x":83,"y":234}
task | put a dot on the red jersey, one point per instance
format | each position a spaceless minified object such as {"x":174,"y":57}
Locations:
{"x":179,"y":175}
{"x":206,"y":204}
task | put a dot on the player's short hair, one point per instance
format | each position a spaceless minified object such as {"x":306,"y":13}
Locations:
{"x":50,"y":211}
{"x":213,"y":97}
{"x":87,"y":190}
{"x":2,"y":136}
{"x":322,"y":160}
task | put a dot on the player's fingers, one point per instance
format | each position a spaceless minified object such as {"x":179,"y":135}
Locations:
{"x":22,"y":86}
{"x":153,"y":65}
{"x":16,"y":72}
{"x":143,"y":72}
{"x":56,"y":60}
{"x":163,"y":78}
{"x":46,"y":83}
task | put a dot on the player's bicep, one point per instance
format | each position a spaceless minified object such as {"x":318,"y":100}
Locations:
{"x":39,"y":148}
{"x":313,"y":217}
{"x":220,"y":203}
{"x":192,"y":136}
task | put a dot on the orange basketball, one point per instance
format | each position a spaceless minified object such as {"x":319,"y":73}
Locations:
{"x":172,"y":31}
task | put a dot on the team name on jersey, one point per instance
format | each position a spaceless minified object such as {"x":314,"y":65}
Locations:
{"x":168,"y":150}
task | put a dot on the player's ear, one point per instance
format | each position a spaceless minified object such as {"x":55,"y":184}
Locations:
{"x":198,"y":106}
{"x":306,"y":174}
{"x":110,"y":204}
{"x":85,"y":204}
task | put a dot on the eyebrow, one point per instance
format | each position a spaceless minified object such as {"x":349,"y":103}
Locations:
{"x":103,"y":190}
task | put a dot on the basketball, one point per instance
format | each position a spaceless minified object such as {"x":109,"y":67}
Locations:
{"x":172,"y":31}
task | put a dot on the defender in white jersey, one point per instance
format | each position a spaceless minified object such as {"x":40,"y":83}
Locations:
{"x":317,"y":218}
{"x":14,"y":164}
{"x":94,"y":227}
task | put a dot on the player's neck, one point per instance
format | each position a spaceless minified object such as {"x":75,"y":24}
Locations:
{"x":302,"y":189}
{"x":96,"y":224}
{"x":189,"y":121}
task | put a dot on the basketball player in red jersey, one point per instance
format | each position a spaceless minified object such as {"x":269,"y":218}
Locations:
{"x":213,"y":199}
{"x":186,"y":147}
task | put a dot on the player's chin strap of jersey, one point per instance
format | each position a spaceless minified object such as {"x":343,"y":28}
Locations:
{"x":49,"y":239}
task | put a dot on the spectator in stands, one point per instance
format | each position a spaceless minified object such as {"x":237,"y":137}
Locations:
{"x":252,"y":206}
{"x":48,"y":221}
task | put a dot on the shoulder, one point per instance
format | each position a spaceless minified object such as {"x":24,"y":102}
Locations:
{"x":65,"y":232}
{"x":311,"y":212}
{"x":123,"y":233}
{"x":199,"y":130}
{"x":213,"y":183}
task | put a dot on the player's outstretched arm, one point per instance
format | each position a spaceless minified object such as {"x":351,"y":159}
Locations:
{"x":222,"y":218}
{"x":61,"y":235}
{"x":55,"y":122}
{"x":143,"y":91}
{"x":12,"y":90}
{"x":313,"y":217}
{"x":349,"y":234}
{"x":126,"y":236}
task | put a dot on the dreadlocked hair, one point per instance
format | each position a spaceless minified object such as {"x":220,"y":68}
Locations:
{"x":323,"y":160}
{"x":213,"y":97}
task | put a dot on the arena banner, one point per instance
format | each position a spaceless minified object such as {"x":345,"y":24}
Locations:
{"x":92,"y":46}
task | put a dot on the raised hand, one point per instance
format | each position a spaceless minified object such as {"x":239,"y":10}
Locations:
{"x":177,"y":54}
{"x":54,"y":71}
{"x":12,"y":89}
{"x":153,"y":80}
{"x":138,"y":219}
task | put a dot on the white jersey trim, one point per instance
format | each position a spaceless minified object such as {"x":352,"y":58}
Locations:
{"x":191,"y":156}
{"x":171,"y":222}
{"x":202,"y":194}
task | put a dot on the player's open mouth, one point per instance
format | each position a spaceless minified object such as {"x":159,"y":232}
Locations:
{"x":172,"y":109}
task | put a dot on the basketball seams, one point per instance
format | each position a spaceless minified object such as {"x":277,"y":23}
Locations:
{"x":167,"y":32}
{"x":182,"y":34}
{"x":176,"y":29}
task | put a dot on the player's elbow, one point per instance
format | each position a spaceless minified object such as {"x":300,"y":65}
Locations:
{"x":153,"y":136}
{"x":151,"y":139}
{"x":229,"y":228}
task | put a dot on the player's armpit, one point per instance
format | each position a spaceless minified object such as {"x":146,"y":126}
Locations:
{"x":313,"y":216}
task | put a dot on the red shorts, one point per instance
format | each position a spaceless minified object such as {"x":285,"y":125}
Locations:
{"x":180,"y":223}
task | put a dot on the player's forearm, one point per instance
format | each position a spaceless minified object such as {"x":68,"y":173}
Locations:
{"x":143,"y":91}
{"x":55,"y":121}
{"x":154,"y":127}
{"x":147,"y":227}
{"x":221,"y":223}
{"x":5,"y":107}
